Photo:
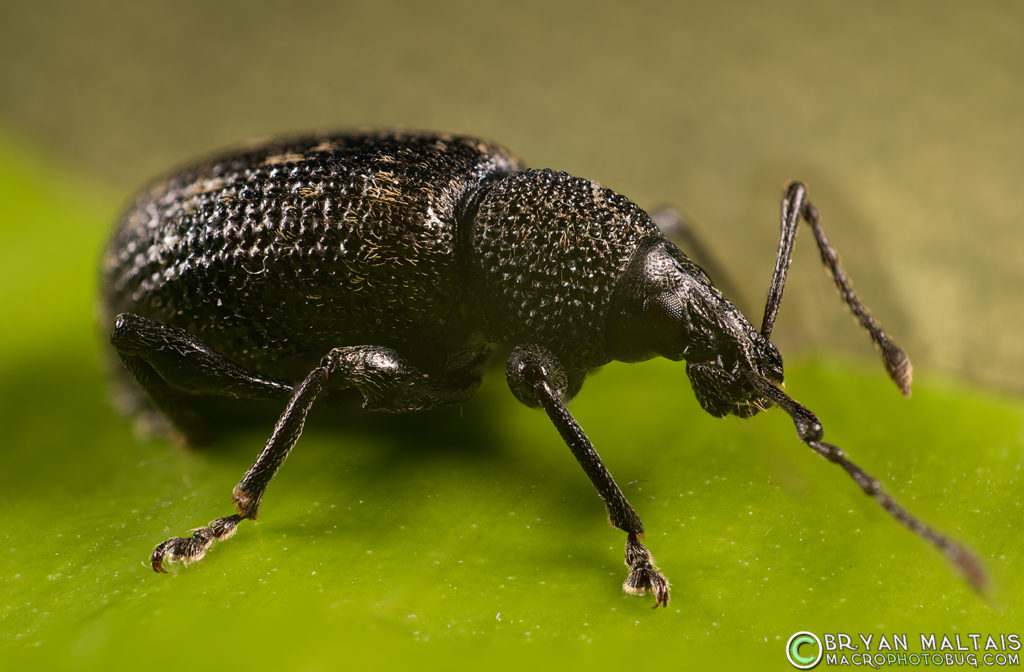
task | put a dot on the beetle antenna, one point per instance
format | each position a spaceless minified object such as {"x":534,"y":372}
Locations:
{"x":810,"y":431}
{"x":795,"y":205}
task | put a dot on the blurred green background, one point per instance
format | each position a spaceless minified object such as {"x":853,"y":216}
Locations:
{"x":469,"y":537}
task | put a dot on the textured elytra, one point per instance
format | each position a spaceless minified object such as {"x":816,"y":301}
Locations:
{"x":276,"y":254}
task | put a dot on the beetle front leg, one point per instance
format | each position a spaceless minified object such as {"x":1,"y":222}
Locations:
{"x":386,"y":381}
{"x":536,"y":378}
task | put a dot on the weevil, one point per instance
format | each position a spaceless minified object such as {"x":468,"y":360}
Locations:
{"x":395,"y":263}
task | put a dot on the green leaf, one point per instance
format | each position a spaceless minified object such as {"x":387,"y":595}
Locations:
{"x":469,"y":537}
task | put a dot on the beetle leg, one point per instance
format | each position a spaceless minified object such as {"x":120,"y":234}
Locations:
{"x":794,"y":206}
{"x":249,"y":491}
{"x":538,"y":379}
{"x":167,"y":362}
{"x":386,"y":381}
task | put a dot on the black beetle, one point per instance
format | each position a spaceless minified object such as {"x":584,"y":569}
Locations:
{"x":393,"y":262}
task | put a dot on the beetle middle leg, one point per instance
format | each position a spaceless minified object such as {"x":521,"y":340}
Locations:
{"x":387,"y":382}
{"x":536,"y":378}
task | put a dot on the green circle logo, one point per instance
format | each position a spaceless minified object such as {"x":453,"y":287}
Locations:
{"x":803,"y":650}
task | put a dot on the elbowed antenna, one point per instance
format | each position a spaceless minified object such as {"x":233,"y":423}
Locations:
{"x":795,"y":205}
{"x":810,"y":431}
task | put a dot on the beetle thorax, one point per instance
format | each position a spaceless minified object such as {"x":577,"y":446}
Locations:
{"x":546,"y":251}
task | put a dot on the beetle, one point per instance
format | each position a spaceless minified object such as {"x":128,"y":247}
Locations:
{"x":394,"y":263}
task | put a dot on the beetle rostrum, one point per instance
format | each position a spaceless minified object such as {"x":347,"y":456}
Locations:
{"x":393,"y":263}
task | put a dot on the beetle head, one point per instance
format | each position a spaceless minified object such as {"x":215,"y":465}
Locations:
{"x":665,"y":305}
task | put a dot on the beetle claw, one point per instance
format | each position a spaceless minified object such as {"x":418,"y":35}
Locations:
{"x":643,"y":574}
{"x":192,"y":549}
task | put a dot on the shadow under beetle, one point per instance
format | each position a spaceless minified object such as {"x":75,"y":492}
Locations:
{"x":394,"y":262}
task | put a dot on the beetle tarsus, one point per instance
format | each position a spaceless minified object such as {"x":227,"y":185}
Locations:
{"x":643,"y":574}
{"x":192,"y":549}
